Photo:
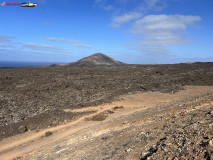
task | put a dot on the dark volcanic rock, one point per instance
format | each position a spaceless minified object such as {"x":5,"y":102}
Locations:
{"x":22,"y":129}
{"x":28,"y":94}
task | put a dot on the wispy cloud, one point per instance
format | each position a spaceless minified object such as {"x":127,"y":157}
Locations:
{"x":138,"y":9}
{"x":155,"y":51}
{"x":63,"y":40}
{"x":74,"y":43}
{"x":5,"y":38}
{"x":117,"y":21}
{"x":45,"y":48}
{"x":21,"y":54}
{"x":163,"y":22}
{"x":82,"y":45}
{"x":163,"y":30}
{"x":104,"y":4}
{"x":6,"y":45}
{"x":7,"y":41}
{"x":154,"y":5}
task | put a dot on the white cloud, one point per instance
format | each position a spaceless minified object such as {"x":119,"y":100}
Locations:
{"x":163,"y":22}
{"x":74,"y":43}
{"x":163,"y":30}
{"x":140,"y":8}
{"x":163,"y":39}
{"x":117,"y":21}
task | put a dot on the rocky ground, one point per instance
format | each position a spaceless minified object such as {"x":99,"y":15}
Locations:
{"x":28,"y":95}
{"x":180,"y":129}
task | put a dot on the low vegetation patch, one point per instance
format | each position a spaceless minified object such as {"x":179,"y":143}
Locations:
{"x":118,"y":107}
{"x":47,"y":134}
{"x":99,"y":117}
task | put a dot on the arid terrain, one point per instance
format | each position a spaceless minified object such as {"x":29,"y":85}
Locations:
{"x":107,"y":112}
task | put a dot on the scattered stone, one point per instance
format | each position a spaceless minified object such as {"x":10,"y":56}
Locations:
{"x":105,"y":138}
{"x":125,"y":122}
{"x":22,"y":129}
{"x":128,"y":150}
{"x":211,"y":143}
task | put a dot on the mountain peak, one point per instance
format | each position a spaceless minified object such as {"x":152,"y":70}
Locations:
{"x":98,"y":54}
{"x":95,"y":59}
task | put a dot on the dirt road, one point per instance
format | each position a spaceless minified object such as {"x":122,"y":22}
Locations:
{"x":111,"y":138}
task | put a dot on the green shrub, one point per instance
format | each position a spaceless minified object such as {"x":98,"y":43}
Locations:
{"x":118,"y":107}
{"x":47,"y":134}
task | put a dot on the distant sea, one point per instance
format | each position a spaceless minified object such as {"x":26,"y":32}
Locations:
{"x":26,"y":64}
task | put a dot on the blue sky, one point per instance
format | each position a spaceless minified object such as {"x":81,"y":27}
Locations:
{"x":132,"y":31}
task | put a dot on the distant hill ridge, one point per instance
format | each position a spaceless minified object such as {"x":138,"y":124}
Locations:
{"x":93,"y":60}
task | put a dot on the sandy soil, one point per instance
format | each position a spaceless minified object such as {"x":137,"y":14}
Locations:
{"x":35,"y":141}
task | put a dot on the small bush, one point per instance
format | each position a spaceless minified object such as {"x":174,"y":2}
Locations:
{"x":118,"y":107}
{"x":99,"y":117}
{"x":47,"y":134}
